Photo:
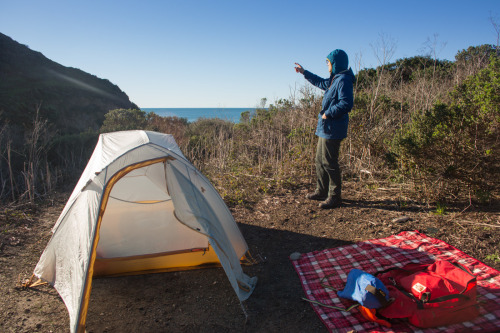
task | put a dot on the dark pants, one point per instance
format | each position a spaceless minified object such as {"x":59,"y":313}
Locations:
{"x":327,"y":167}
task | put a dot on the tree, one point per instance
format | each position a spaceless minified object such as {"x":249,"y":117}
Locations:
{"x":472,"y":60}
{"x":123,"y":120}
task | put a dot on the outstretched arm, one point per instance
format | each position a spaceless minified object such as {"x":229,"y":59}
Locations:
{"x":319,"y":82}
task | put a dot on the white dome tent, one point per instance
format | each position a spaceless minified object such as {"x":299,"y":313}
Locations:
{"x":139,"y":207}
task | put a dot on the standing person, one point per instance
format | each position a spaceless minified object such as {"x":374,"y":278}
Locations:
{"x":333,"y":120}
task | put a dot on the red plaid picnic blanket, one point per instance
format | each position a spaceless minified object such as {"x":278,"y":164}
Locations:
{"x":379,"y":254}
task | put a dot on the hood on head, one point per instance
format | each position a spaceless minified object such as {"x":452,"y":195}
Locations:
{"x":339,"y":60}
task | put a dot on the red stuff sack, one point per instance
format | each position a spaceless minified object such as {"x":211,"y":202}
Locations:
{"x":439,"y":294}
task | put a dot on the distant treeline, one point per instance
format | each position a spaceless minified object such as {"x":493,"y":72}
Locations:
{"x":427,"y":125}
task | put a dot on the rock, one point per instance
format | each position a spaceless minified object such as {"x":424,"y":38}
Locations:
{"x":14,"y":241}
{"x":295,"y":256}
{"x":401,"y":219}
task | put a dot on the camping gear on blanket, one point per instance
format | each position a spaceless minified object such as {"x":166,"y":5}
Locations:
{"x":361,"y":287}
{"x":371,"y":315}
{"x":365,"y":289}
{"x":428,"y":295}
{"x":377,"y":255}
{"x":140,"y":206}
{"x":431,"y":295}
{"x":369,"y":292}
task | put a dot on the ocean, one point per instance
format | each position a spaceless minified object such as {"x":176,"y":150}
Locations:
{"x":192,"y":114}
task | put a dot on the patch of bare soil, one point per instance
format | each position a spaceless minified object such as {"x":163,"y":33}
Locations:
{"x":202,"y":300}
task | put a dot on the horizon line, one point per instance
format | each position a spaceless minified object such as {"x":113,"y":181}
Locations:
{"x":204,"y":107}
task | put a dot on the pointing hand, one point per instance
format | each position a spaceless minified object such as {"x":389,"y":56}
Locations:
{"x":299,"y":68}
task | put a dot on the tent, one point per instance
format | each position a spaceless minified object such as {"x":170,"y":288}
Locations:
{"x":140,"y":206}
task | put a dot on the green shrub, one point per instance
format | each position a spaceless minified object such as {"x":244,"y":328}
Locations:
{"x":123,"y":120}
{"x":453,"y":148}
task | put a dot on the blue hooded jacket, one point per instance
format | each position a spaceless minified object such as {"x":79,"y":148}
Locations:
{"x":338,"y":99}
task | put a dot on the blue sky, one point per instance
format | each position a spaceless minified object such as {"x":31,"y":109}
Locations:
{"x":233,"y":53}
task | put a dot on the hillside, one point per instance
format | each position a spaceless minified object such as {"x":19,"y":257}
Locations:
{"x":70,"y":99}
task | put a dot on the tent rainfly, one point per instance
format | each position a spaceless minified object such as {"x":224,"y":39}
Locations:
{"x":139,"y":206}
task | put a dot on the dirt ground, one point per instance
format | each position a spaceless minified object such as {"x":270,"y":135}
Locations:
{"x":202,"y":300}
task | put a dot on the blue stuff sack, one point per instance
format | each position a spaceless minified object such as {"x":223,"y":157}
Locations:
{"x":365,"y":289}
